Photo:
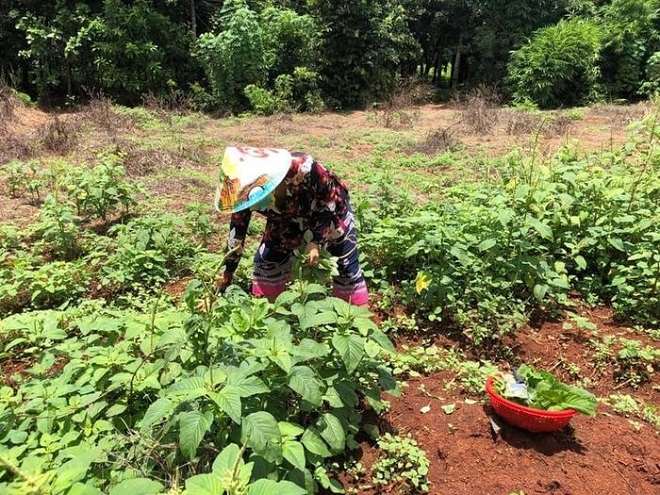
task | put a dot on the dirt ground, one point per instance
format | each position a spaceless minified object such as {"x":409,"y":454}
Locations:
{"x":606,"y":454}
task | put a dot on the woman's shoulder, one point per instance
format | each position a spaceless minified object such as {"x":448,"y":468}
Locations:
{"x":300,"y":163}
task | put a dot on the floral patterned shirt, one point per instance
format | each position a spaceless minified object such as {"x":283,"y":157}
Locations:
{"x":316,"y":200}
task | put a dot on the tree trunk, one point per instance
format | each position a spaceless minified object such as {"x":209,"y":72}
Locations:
{"x":193,"y":20}
{"x":455,"y":69}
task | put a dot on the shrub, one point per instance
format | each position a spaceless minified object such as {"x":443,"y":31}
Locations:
{"x":559,"y":66}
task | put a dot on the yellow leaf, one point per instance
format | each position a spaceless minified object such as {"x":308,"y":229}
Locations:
{"x":422,"y":282}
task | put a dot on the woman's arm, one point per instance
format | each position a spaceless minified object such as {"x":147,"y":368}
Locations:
{"x":237,"y":232}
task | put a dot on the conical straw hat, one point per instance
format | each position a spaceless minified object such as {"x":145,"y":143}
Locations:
{"x":249,"y":175}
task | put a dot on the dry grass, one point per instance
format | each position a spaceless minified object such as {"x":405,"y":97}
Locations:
{"x":58,"y":135}
{"x":176,"y":103}
{"x":7,"y":105}
{"x":439,"y":141}
{"x":13,"y":145}
{"x":101,"y":113}
{"x":622,"y":115}
{"x":399,"y":111}
{"x":479,"y":110}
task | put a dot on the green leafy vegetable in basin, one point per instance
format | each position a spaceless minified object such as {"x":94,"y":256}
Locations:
{"x":539,"y":389}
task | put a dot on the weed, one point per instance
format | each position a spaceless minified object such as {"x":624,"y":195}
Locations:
{"x":626,"y":405}
{"x":101,"y":113}
{"x":402,"y":464}
{"x":635,"y":362}
{"x":439,"y":141}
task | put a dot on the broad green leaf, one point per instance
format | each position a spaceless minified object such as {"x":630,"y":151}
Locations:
{"x":332,"y":431}
{"x":157,"y":412}
{"x":229,"y":400}
{"x":290,"y":430}
{"x":486,"y":245}
{"x":310,"y":349}
{"x":381,"y":339}
{"x":114,"y":410}
{"x":305,"y":313}
{"x":205,"y":484}
{"x":260,"y":431}
{"x":189,"y":388}
{"x":346,"y":391}
{"x":320,"y":319}
{"x":543,"y":229}
{"x":540,"y":291}
{"x":294,"y":452}
{"x":248,"y":386}
{"x":229,"y":464}
{"x":265,"y":486}
{"x":282,"y":358}
{"x":226,"y":459}
{"x":193,"y":425}
{"x":616,"y":243}
{"x":74,"y":470}
{"x":313,"y":442}
{"x":137,"y":486}
{"x":80,"y":489}
{"x":303,"y":380}
{"x":351,"y":350}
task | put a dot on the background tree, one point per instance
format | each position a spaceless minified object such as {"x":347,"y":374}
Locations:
{"x":138,"y":50}
{"x":233,"y":55}
{"x":362,"y":44}
{"x":629,"y":38}
{"x":559,"y":66}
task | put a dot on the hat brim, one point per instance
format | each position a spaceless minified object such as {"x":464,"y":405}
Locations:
{"x":249,"y":175}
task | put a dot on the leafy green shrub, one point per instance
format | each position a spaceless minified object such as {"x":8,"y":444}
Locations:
{"x":233,"y":56}
{"x":102,"y":190}
{"x":246,"y":395}
{"x":289,"y":40}
{"x":263,"y":101}
{"x":148,"y":251}
{"x":26,"y":179}
{"x":491,"y":253}
{"x":57,"y":283}
{"x":199,"y":221}
{"x":628,"y":32}
{"x":651,"y":84}
{"x":559,"y":66}
{"x":58,"y":230}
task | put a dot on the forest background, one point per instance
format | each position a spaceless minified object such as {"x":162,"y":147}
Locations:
{"x":268,"y":56}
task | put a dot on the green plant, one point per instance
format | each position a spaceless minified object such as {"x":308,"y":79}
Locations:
{"x":402,"y":464}
{"x":58,"y":229}
{"x":628,"y":406}
{"x":103,"y":189}
{"x":26,"y":178}
{"x":635,"y":362}
{"x":233,"y":55}
{"x":241,"y":395}
{"x":199,"y":220}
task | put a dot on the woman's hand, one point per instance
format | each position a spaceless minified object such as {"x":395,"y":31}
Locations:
{"x":313,"y":252}
{"x":221,"y":285}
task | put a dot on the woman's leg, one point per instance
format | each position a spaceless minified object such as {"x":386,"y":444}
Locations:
{"x":272,"y":271}
{"x":350,"y":284}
